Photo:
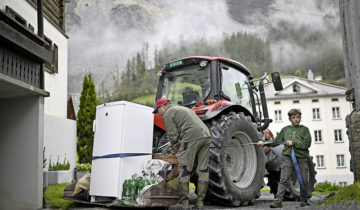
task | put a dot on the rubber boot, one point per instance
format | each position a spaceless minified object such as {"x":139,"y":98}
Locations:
{"x":183,"y":202}
{"x":276,"y":204}
{"x":201,"y":192}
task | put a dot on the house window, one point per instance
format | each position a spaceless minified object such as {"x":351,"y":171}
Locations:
{"x":320,"y":161}
{"x":318,"y":136}
{"x":338,"y":135}
{"x":336,"y":112}
{"x":334,"y":99}
{"x":296,"y":102}
{"x":277,"y":102}
{"x":315,"y":100}
{"x":50,"y":46}
{"x":340,"y":161}
{"x":316,"y":113}
{"x":342,"y":184}
{"x":278,"y":116}
{"x":296,"y":88}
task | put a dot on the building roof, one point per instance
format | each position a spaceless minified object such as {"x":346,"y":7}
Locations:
{"x":308,"y":88}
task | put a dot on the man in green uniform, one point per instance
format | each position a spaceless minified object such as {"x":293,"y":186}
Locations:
{"x":183,"y":125}
{"x":297,"y":138}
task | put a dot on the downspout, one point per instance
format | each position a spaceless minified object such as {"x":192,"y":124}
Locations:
{"x":40,"y":22}
{"x":40,"y":18}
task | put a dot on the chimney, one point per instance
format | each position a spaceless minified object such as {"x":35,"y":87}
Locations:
{"x":310,"y":75}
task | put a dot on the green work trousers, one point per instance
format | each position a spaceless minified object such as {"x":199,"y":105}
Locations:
{"x":188,"y":153}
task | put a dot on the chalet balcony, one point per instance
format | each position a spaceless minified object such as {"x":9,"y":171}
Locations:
{"x":22,"y":56}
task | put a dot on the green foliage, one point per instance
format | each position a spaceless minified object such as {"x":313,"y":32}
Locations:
{"x":44,"y":159}
{"x":139,"y":78}
{"x":325,"y":188}
{"x":148,"y":100}
{"x":345,"y":195}
{"x":58,"y":166}
{"x":55,"y":194}
{"x":86,"y":116}
{"x":298,"y":73}
{"x":341,"y":83}
{"x":83,"y":167}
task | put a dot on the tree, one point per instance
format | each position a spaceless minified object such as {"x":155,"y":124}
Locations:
{"x":86,"y":116}
{"x":298,"y":73}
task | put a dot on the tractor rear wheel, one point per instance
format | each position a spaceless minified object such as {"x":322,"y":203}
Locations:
{"x":236,"y":170}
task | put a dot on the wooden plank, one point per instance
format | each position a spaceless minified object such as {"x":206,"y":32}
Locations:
{"x":14,"y":24}
{"x":5,"y":62}
{"x":1,"y":59}
{"x":52,"y":17}
{"x":23,"y":43}
{"x":55,"y":4}
{"x":62,"y":14}
{"x":55,"y":66}
{"x":55,"y":12}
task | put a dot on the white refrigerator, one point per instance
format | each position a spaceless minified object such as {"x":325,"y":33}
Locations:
{"x":120,"y":127}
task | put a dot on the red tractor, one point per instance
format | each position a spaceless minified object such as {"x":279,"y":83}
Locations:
{"x":224,"y":94}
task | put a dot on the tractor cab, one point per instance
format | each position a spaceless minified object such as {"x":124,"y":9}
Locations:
{"x":210,"y":85}
{"x":202,"y":80}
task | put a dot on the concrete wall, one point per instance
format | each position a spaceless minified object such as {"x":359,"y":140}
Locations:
{"x":21,"y":143}
{"x":329,"y":148}
{"x":350,"y":25}
{"x":56,"y":84}
{"x":60,"y":139}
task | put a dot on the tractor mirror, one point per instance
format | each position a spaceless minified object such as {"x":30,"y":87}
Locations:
{"x":275,"y":76}
{"x":238,"y":90}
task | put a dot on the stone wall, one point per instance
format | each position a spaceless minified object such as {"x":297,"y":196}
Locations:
{"x":353,"y":126}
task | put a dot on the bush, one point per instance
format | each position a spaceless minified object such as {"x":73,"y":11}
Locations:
{"x":86,"y":116}
{"x":345,"y":195}
{"x":83,"y":167}
{"x":326,"y":187}
{"x":58,"y":166}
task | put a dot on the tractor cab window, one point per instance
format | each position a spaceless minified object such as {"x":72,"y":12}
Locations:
{"x":187,"y":85}
{"x":234,"y":85}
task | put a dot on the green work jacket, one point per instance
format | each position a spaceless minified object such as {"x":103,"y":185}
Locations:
{"x":183,"y":124}
{"x":300,"y":137}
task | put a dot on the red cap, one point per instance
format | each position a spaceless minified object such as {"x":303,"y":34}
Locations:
{"x":159,"y":103}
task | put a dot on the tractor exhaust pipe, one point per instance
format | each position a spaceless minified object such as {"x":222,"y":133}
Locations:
{"x":266,"y":121}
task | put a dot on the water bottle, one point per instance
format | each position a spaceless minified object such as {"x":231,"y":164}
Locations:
{"x":139,"y":186}
{"x":125,"y":191}
{"x":132,"y":189}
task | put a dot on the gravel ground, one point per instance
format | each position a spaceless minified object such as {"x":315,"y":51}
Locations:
{"x":261,"y":203}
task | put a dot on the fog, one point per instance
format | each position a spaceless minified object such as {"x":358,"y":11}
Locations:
{"x":105,"y":34}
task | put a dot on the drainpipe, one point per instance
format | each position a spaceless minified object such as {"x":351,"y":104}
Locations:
{"x":40,"y":21}
{"x":40,"y":18}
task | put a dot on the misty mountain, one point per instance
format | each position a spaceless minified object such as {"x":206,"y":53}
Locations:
{"x":104,"y":35}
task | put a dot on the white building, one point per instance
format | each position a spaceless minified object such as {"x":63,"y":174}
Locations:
{"x":324,"y":109}
{"x":33,"y":99}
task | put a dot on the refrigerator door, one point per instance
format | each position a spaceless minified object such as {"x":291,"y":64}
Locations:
{"x":121,"y":127}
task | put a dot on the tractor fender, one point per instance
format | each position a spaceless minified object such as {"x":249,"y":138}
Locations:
{"x":226,"y":109}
